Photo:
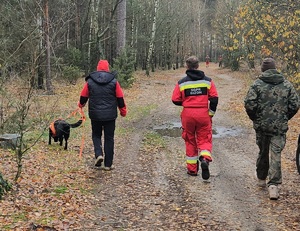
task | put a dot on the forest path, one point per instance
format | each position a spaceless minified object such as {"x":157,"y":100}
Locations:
{"x":149,"y":188}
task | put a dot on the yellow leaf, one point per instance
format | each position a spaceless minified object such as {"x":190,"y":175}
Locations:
{"x":258,"y":37}
{"x":286,"y":34}
{"x":281,"y":44}
{"x":282,"y":19}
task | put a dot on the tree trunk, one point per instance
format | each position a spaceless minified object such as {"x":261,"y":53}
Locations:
{"x":169,"y":61}
{"x":77,"y":26}
{"x":177,"y":48}
{"x":40,"y":72}
{"x":134,"y":34}
{"x":121,"y":26}
{"x":48,"y":51}
{"x":92,"y":18}
{"x":151,"y":43}
{"x":163,"y":53}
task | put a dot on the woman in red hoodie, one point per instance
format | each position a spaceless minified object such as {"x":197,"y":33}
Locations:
{"x":104,"y":95}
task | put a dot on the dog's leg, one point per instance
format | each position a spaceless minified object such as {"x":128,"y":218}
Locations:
{"x":60,"y":141}
{"x":50,"y":136}
{"x":67,"y":135}
{"x":66,"y":145}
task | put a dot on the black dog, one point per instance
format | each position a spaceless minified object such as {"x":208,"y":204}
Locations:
{"x":60,"y":129}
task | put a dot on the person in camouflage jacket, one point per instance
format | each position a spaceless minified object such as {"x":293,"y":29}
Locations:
{"x":270,"y":102}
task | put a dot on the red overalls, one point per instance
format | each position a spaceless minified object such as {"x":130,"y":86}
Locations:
{"x":199,"y":98}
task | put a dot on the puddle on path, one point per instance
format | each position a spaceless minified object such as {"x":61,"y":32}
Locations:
{"x":220,"y":132}
{"x":171,"y":129}
{"x":174,"y":130}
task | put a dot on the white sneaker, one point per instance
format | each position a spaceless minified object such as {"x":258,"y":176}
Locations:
{"x":108,"y":168}
{"x":261,"y":183}
{"x":273,"y":192}
{"x":99,"y":161}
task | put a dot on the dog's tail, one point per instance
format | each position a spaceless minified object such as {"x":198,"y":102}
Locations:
{"x":77,"y":124}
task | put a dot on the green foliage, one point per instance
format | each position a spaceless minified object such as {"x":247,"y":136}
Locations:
{"x":154,"y":139}
{"x":71,"y":62}
{"x":72,"y":57}
{"x":260,"y":29}
{"x":124,"y":66}
{"x":60,"y":189}
{"x":4,"y":186}
{"x":71,"y":73}
{"x":20,"y":216}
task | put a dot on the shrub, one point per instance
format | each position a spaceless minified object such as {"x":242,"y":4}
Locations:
{"x":124,"y":66}
{"x":71,"y":73}
{"x":4,"y":186}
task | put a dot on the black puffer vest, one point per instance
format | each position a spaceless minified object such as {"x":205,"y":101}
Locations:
{"x":102,"y":96}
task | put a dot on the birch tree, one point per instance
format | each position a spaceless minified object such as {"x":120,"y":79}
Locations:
{"x":92,"y":19}
{"x":151,"y":43}
{"x":47,"y":45}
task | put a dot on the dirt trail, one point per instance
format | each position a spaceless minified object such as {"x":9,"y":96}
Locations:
{"x":149,"y":188}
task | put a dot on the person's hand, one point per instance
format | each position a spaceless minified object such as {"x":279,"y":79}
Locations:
{"x":80,"y":105}
{"x":123,"y":111}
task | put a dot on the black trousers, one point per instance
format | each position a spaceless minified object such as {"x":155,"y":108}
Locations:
{"x":109,"y":132}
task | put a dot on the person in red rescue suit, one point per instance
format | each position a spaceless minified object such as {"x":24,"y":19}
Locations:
{"x":207,"y":60}
{"x":198,"y":96}
{"x":104,"y":95}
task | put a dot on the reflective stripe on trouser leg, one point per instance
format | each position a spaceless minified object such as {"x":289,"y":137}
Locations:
{"x":191,"y":151}
{"x":205,"y":154}
{"x":191,"y":155}
{"x":192,"y":163}
{"x":204,"y":137}
{"x":191,"y":160}
{"x":191,"y":119}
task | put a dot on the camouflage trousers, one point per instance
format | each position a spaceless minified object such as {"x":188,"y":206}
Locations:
{"x":268,"y":164}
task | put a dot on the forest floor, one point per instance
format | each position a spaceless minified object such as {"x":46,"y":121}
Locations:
{"x":149,"y":188}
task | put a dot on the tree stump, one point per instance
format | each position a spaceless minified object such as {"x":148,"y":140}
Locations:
{"x":9,"y":141}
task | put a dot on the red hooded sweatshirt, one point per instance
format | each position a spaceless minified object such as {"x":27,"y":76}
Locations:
{"x":103,"y":65}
